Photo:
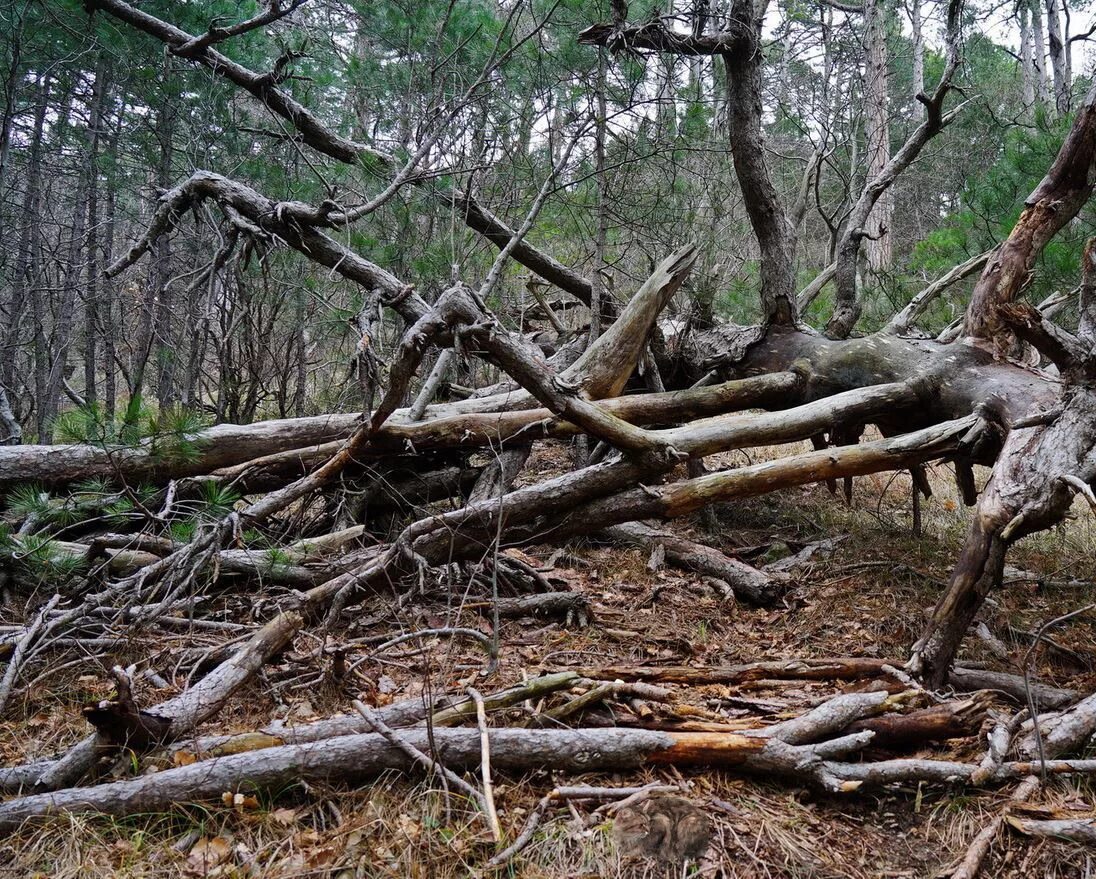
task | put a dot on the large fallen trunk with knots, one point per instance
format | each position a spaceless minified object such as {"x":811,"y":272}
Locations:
{"x":808,"y":749}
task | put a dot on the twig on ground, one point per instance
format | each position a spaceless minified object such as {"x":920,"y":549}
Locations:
{"x":485,"y":765}
{"x":417,"y":756}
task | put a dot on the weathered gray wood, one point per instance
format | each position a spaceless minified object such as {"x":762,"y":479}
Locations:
{"x":747,"y":582}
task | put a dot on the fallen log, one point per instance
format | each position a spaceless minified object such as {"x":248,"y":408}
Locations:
{"x":969,"y":679}
{"x":938,"y":722}
{"x":185,"y":711}
{"x":963,"y":678}
{"x":601,"y":372}
{"x":218,"y":446}
{"x":272,"y":566}
{"x":446,"y":711}
{"x":1080,"y":830}
{"x":1061,"y":733}
{"x":905,"y":771}
{"x":352,"y":757}
{"x":747,"y":583}
{"x":838,"y":668}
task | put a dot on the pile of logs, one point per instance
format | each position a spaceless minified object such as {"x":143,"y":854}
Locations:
{"x":844,"y":743}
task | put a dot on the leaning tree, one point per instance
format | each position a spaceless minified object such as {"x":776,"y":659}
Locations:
{"x":971,"y":398}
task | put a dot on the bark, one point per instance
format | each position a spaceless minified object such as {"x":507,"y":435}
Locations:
{"x":1039,"y":53}
{"x":221,"y":446}
{"x":162,"y":345}
{"x":838,"y":668}
{"x":11,"y":92}
{"x":348,"y":758}
{"x":1080,"y":830}
{"x":354,"y":758}
{"x":599,"y":292}
{"x":971,"y":679}
{"x":251,"y":453}
{"x":1061,"y":733}
{"x":944,"y":721}
{"x":918,"y":40}
{"x":1025,"y":494}
{"x":12,"y":431}
{"x":767,"y":217}
{"x":841,"y":668}
{"x":107,"y":305}
{"x":93,"y":325}
{"x":779,"y":750}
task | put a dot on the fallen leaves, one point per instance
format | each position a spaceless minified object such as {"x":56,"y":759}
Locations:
{"x":207,"y":854}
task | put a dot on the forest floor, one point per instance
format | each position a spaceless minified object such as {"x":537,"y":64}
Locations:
{"x":864,"y":595}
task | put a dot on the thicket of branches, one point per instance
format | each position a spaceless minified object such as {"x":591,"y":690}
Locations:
{"x":384,"y":251}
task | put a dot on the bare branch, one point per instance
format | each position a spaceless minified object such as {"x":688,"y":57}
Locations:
{"x":322,"y":139}
{"x":270,"y":13}
{"x":1061,"y":347}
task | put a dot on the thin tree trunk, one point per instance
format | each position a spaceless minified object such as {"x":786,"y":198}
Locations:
{"x":28,"y":239}
{"x":1027,"y":64}
{"x":877,"y":131}
{"x":597,"y":289}
{"x":107,"y":311}
{"x":164,"y":344}
{"x":11,"y":90}
{"x":91,"y":295}
{"x":1039,"y":54}
{"x":918,"y":55}
{"x":27,"y":231}
{"x":153,"y":315}
{"x":1058,"y":58}
{"x":66,"y":314}
{"x":767,"y":216}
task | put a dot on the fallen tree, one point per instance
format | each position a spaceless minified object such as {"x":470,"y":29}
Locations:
{"x":966,"y":401}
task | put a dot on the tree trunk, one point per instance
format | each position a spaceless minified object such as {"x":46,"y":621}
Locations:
{"x":747,"y":147}
{"x":1027,"y":62}
{"x":22,"y":274}
{"x":877,"y":131}
{"x":1054,"y":202}
{"x":93,"y":327}
{"x":1056,"y":45}
{"x":66,"y":310}
{"x":1039,"y":53}
{"x":11,"y":92}
{"x":164,"y":335}
{"x":918,"y":38}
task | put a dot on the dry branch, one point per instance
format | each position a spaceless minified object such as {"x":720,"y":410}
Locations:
{"x":349,"y":758}
{"x":979,"y":847}
{"x":191,"y":707}
{"x":1080,"y":830}
{"x":747,"y":583}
